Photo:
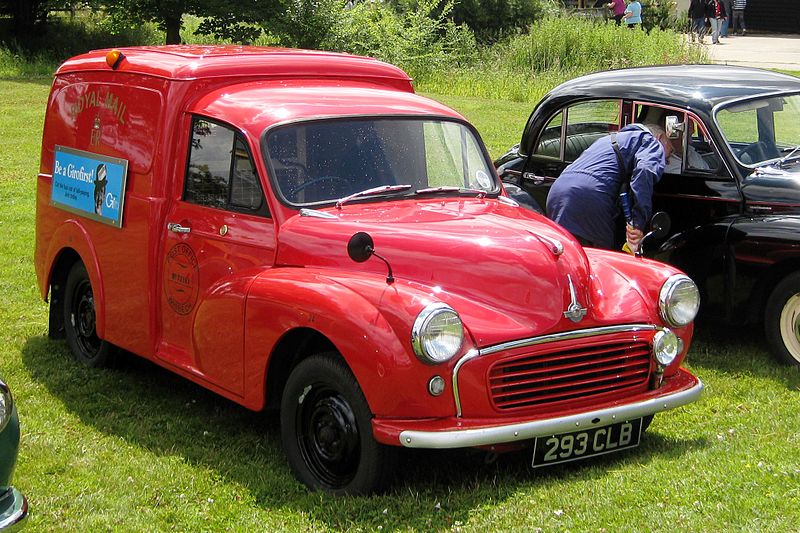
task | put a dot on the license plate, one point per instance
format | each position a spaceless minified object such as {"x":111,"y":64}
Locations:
{"x":588,"y":443}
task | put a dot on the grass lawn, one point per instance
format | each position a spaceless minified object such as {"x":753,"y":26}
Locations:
{"x":139,"y":449}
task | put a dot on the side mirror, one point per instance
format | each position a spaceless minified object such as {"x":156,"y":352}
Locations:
{"x":674,"y":127}
{"x":659,"y":225}
{"x":360,"y":247}
{"x":659,"y":228}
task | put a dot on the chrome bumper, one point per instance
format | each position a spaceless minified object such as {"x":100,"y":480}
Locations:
{"x":14,"y":515}
{"x":552,"y":426}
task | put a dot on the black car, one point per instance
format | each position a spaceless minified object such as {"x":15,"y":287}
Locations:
{"x":13,"y":504}
{"x":732,"y":191}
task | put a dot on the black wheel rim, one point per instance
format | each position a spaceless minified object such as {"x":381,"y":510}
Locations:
{"x":328,"y":436}
{"x":83,"y":320}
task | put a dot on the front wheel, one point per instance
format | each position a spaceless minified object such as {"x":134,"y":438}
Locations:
{"x":80,"y":320}
{"x":327,"y":432}
{"x":782,"y":320}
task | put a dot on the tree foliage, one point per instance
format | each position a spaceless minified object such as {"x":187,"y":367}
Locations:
{"x":490,"y":20}
{"x":166,"y":14}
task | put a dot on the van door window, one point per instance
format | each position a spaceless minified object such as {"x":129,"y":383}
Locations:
{"x":220,"y":172}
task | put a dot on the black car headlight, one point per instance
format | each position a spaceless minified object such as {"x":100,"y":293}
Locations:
{"x":6,"y":405}
{"x":678,"y":300}
{"x":437,"y":334}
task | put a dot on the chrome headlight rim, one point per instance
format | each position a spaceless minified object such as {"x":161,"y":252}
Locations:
{"x":666,"y":347}
{"x":665,"y":300}
{"x":419,"y":330}
{"x":6,"y":405}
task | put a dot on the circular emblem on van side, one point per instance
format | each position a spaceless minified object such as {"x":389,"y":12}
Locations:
{"x":181,"y":283}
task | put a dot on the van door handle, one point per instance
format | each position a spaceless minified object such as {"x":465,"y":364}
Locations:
{"x":174,"y":227}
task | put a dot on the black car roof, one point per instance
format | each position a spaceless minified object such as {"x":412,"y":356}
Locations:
{"x":696,"y":87}
{"x":682,"y":85}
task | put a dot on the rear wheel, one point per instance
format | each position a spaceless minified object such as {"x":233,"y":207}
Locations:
{"x":782,"y":320}
{"x":80,"y":320}
{"x":327,"y":432}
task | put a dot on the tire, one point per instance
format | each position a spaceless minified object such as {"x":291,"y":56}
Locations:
{"x":326,"y":430}
{"x":646,"y":421}
{"x":782,"y":320}
{"x":80,"y":321}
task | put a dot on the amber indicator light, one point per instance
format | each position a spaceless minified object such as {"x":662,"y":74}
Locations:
{"x":114,"y":58}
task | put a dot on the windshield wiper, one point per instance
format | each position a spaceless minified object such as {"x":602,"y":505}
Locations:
{"x":434,"y":190}
{"x":788,"y":156}
{"x":375,"y":191}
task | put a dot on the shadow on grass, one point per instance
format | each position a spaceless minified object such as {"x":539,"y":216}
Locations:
{"x":152,"y":408}
{"x":739,"y":350}
{"x":45,"y":81}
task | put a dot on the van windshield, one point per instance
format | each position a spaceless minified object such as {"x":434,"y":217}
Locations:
{"x":322,"y":161}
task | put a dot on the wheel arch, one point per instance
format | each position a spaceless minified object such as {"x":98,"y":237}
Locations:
{"x":329,"y":314}
{"x":71,"y":243}
{"x":294,"y":347}
{"x":766,"y":283}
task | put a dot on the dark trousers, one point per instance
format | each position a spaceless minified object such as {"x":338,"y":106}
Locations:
{"x":737,"y":20}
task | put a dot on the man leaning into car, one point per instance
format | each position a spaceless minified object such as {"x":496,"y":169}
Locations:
{"x":584,"y":199}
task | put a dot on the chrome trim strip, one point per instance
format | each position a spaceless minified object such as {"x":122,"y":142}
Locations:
{"x":552,"y":426}
{"x":533,"y":341}
{"x":17,"y":512}
{"x":306,"y":212}
{"x":472,"y":354}
{"x":567,"y":335}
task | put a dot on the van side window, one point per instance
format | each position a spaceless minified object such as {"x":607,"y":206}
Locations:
{"x":221,"y":173}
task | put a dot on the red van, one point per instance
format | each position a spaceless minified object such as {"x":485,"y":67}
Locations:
{"x":300,"y":230}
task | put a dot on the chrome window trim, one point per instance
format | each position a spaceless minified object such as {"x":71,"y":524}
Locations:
{"x":534,"y":341}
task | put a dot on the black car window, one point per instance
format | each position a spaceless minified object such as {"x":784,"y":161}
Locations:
{"x":691,"y":150}
{"x":700,"y":154}
{"x":579,"y":126}
{"x":550,"y":140}
{"x":220,"y":171}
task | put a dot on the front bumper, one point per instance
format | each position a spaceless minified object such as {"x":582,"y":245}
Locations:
{"x":13,"y":510}
{"x":679,"y":390}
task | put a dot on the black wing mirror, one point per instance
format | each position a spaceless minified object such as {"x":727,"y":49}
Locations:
{"x":361,"y":247}
{"x":659,"y":228}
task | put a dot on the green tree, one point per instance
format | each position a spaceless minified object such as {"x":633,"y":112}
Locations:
{"x":166,"y":14}
{"x":26,"y":15}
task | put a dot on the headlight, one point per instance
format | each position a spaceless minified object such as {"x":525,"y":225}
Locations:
{"x":678,"y":300}
{"x":666,"y":346}
{"x":6,"y":405}
{"x":437,"y":334}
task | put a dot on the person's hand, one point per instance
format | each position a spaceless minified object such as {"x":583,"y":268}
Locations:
{"x":633,"y":236}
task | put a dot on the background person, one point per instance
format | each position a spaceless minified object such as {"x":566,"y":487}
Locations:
{"x":584,"y":198}
{"x":716,"y":18}
{"x":633,"y":14}
{"x":738,"y":16}
{"x":617,"y":8}
{"x":728,"y":6}
{"x":697,"y":16}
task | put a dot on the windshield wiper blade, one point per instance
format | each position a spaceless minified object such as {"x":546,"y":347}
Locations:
{"x":375,"y":191}
{"x":788,"y":156}
{"x":434,"y":190}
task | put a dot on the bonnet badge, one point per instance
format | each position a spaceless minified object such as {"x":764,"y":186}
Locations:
{"x":574,"y":311}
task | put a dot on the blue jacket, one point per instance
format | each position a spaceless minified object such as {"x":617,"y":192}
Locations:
{"x":584,"y":199}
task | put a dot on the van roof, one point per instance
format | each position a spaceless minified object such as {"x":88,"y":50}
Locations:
{"x":192,"y":62}
{"x":256,"y":105}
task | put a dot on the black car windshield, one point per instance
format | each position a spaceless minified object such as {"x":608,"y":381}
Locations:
{"x":317,"y":162}
{"x":762,"y":130}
